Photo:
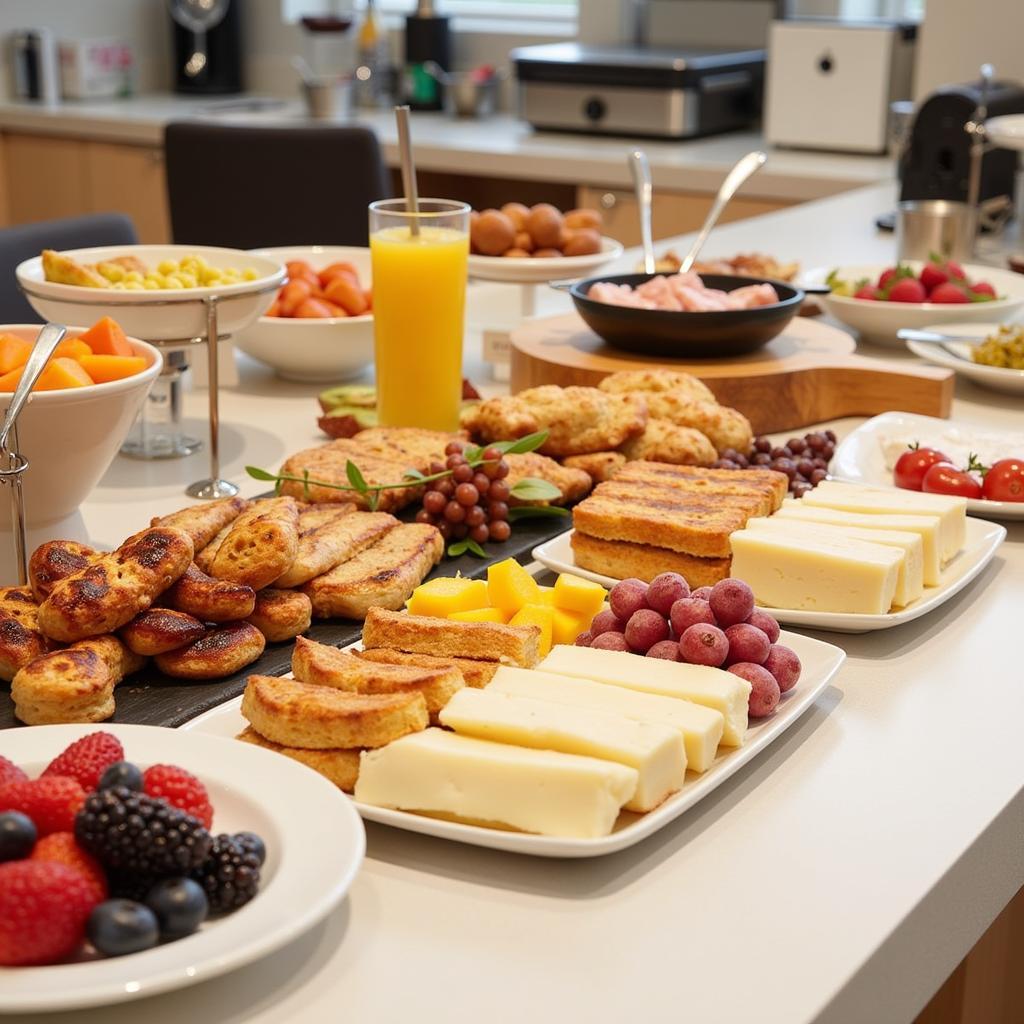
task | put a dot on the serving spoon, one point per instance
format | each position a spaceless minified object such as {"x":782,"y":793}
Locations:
{"x":934,"y":337}
{"x":641,"y":171}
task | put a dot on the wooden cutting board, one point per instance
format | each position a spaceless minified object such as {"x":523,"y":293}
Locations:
{"x":808,"y":374}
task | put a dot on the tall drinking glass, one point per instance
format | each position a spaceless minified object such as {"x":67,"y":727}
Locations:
{"x":419,"y":265}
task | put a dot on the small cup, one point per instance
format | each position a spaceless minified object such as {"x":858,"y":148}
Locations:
{"x":935,"y":226}
{"x":329,"y":98}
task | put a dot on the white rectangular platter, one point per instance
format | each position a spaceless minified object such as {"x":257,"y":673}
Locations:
{"x":820,"y":662}
{"x":983,"y":539}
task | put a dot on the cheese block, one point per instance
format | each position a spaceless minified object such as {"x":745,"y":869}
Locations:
{"x":950,"y":511}
{"x":484,"y":783}
{"x":910,"y":581}
{"x":700,"y":727}
{"x":926,"y":527}
{"x":655,"y":751}
{"x":811,"y":574}
{"x":699,"y":684}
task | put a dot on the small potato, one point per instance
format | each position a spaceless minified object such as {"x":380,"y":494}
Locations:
{"x":313,"y":309}
{"x":524,"y":241}
{"x":349,"y":296}
{"x":582,"y":242}
{"x":292,"y":295}
{"x":545,"y":225}
{"x":584,"y":218}
{"x":516,"y":254}
{"x":545,"y":254}
{"x":494,"y":233}
{"x":517,"y":213}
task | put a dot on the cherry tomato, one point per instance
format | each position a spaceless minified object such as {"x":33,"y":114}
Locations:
{"x":945,"y":478}
{"x":1004,"y":481}
{"x":912,"y":465}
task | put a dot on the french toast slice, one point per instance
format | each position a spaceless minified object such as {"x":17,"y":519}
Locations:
{"x":20,"y":639}
{"x":757,"y":500}
{"x":208,"y":599}
{"x":261,"y":544}
{"x":338,"y":766}
{"x":203,"y":522}
{"x":317,"y":513}
{"x":54,"y":561}
{"x":476,"y":674}
{"x":766,"y":481}
{"x":159,"y":630}
{"x":625,"y":560}
{"x":281,"y":614}
{"x":222,"y":651}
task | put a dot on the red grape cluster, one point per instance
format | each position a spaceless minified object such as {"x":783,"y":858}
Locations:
{"x":803,"y":459}
{"x":471,"y":501}
{"x":716,"y":626}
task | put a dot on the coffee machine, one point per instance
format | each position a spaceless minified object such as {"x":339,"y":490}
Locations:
{"x":207,"y":46}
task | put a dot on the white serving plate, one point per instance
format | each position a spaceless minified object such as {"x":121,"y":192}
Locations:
{"x":1006,"y":131}
{"x":315,"y":845}
{"x":983,"y":538}
{"x":539,"y":271}
{"x":879,"y":321}
{"x":957,"y":356}
{"x":820,"y":662}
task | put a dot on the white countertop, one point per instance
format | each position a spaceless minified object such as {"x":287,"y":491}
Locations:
{"x":838,"y":879}
{"x":502,"y":146}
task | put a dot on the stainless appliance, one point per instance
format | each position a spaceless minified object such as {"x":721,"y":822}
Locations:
{"x":207,"y":46}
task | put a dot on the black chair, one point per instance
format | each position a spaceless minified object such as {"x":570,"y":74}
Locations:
{"x":271,"y":186}
{"x":20,"y":243}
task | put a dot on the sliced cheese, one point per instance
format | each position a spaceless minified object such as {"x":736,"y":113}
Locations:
{"x":909,"y":583}
{"x":476,"y":781}
{"x":808,"y":573}
{"x":655,"y":751}
{"x":950,"y":511}
{"x":699,"y":684}
{"x":926,"y":527}
{"x":700,"y":727}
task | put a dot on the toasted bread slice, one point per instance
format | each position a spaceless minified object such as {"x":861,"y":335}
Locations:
{"x":61,"y":269}
{"x":20,"y":639}
{"x":773,"y":485}
{"x":338,"y":766}
{"x":160,"y":630}
{"x":297,"y":714}
{"x":317,"y":513}
{"x":622,"y":560}
{"x":260,"y":545}
{"x":222,"y":651}
{"x":384,"y":575}
{"x":323,"y":547}
{"x":445,"y":638}
{"x":111,"y":591}
{"x":54,"y":561}
{"x":476,"y":674}
{"x":758,"y":499}
{"x":204,"y":521}
{"x":208,"y":599}
{"x":599,"y":466}
{"x":281,"y":614}
{"x":414,"y":445}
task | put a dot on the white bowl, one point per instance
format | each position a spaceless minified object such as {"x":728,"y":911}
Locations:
{"x":1006,"y":131}
{"x":160,"y":314}
{"x":879,"y":321}
{"x":71,"y":436}
{"x":540,"y":271}
{"x":332,"y":349}
{"x":957,"y":356}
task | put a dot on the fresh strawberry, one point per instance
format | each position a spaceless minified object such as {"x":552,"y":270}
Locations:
{"x":43,"y":910}
{"x":50,"y":802}
{"x":955,"y":270}
{"x":866,"y":291}
{"x":948,"y":293}
{"x":10,"y":772}
{"x":87,"y":758}
{"x":908,"y":289}
{"x":983,"y":288}
{"x":932,"y":275}
{"x":886,"y":276}
{"x":180,"y":789}
{"x":63,"y":848}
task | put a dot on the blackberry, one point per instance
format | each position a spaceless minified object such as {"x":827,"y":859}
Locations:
{"x":127,"y":885}
{"x":252,"y":843}
{"x":135,"y":833}
{"x":230,"y":876}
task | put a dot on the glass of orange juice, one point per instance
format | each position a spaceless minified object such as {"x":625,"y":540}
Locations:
{"x":419,"y":263}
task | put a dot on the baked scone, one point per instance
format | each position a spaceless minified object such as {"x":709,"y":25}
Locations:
{"x":476,"y":674}
{"x":664,"y":441}
{"x":54,"y":561}
{"x":281,"y":614}
{"x":159,"y":630}
{"x":204,"y":521}
{"x":599,"y":466}
{"x":297,"y":714}
{"x":113,"y":589}
{"x":338,"y":766}
{"x":20,"y":639}
{"x":723,"y":427}
{"x":223,"y":651}
{"x":573,"y":483}
{"x":260,"y":545}
{"x":658,"y":380}
{"x":413,"y":444}
{"x":208,"y":599}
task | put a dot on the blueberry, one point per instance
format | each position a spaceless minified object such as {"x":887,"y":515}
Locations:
{"x":117,"y":927}
{"x":180,"y":906}
{"x":253,"y":844}
{"x":17,"y":835}
{"x":121,"y":773}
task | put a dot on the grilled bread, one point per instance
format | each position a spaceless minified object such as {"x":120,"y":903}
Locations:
{"x":323,"y":547}
{"x":204,"y":521}
{"x":774,"y":486}
{"x":338,"y":766}
{"x":384,"y":575}
{"x":424,"y":634}
{"x":112,"y":590}
{"x":599,"y":466}
{"x":297,"y":714}
{"x":573,"y":483}
{"x":758,"y":500}
{"x":208,"y":599}
{"x":159,"y":630}
{"x":204,"y":558}
{"x":624,"y":560}
{"x":54,"y":561}
{"x":317,"y":513}
{"x":664,"y":441}
{"x":20,"y":639}
{"x":416,"y":446}
{"x":223,"y":651}
{"x":476,"y":674}
{"x":281,"y":614}
{"x":724,"y":427}
{"x":657,"y":380}
{"x":260,"y":545}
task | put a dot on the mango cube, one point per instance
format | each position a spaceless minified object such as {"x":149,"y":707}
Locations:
{"x":510,"y":587}
{"x":480,"y":615}
{"x":448,"y":594}
{"x":579,"y":595}
{"x":566,"y":625}
{"x":537,"y":615}
{"x":547,"y":596}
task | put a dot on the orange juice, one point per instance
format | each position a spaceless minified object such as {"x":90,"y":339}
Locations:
{"x":419,"y":297}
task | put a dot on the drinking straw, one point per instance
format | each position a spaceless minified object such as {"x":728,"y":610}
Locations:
{"x":412,"y":201}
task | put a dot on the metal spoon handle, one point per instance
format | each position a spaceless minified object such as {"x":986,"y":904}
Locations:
{"x":745,"y":167}
{"x":641,"y":171}
{"x":933,"y":337}
{"x":48,"y":339}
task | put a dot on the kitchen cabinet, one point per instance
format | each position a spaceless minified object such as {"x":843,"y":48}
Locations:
{"x":131,"y":179}
{"x":46,"y":178}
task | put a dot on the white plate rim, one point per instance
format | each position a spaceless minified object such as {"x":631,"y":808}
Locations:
{"x":337,"y":840}
{"x":997,"y":378}
{"x":531,"y":271}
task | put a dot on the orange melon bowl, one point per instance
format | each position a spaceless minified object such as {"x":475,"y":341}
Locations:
{"x":71,"y":432}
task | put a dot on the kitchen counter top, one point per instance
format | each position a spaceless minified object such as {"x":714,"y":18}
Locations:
{"x":502,"y":146}
{"x":837,"y":879}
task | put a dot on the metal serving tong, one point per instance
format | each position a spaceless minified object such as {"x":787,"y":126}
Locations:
{"x":12,"y":462}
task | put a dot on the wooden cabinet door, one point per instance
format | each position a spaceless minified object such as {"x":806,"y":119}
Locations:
{"x":46,"y":178}
{"x":131,"y":180}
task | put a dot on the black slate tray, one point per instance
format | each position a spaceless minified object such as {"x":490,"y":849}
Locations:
{"x":151,"y":698}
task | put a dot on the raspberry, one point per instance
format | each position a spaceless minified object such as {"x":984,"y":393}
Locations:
{"x":86,"y":759}
{"x":43,"y":910}
{"x":62,"y":848}
{"x":50,"y":802}
{"x":10,"y":772}
{"x":230,"y":876}
{"x":180,"y":789}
